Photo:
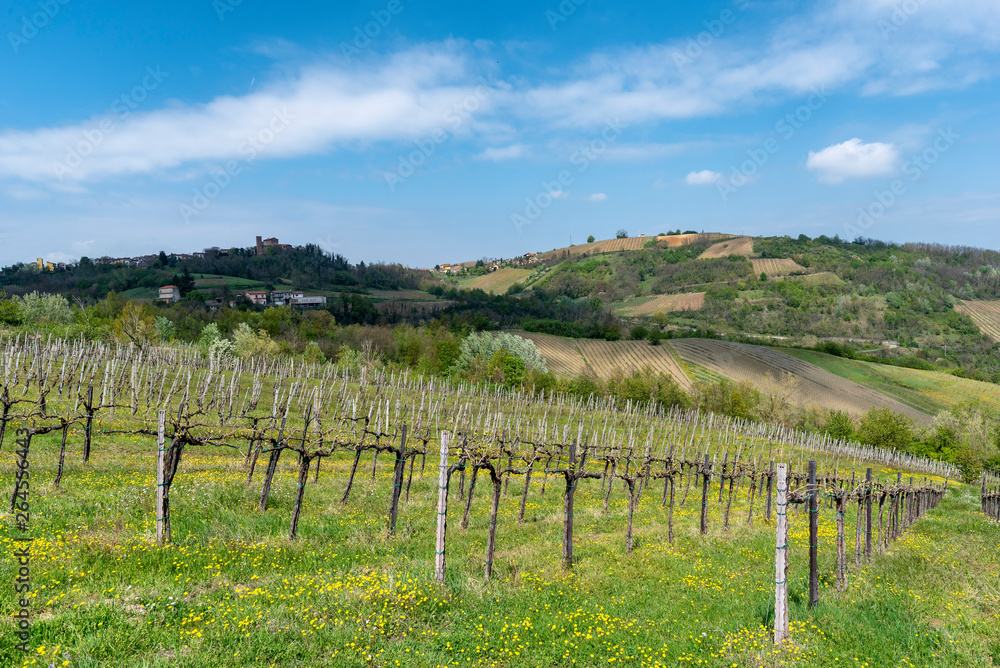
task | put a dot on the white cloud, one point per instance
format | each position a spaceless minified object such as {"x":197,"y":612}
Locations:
{"x":409,"y":96}
{"x":511,"y":152}
{"x":705,"y":177}
{"x":598,"y":197}
{"x":853,"y":159}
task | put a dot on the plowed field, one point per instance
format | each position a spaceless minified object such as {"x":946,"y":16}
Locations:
{"x":498,"y":281}
{"x":738,"y":246}
{"x":763,"y":367}
{"x":985,"y":314}
{"x":571,"y":357}
{"x":606,"y":356}
{"x":647,"y":306}
{"x":632,"y":244}
{"x":774,"y":267}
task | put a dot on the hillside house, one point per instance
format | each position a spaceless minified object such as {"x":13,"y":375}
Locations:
{"x":170,"y":294}
{"x":258,"y":297}
{"x":316,"y":301}
{"x":285,"y":297}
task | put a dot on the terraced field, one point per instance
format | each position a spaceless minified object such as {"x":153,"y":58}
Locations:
{"x":763,"y":367}
{"x":985,"y":314}
{"x":568,"y":358}
{"x":930,"y":391}
{"x":497,"y":282}
{"x":738,"y":246}
{"x":647,"y":306}
{"x":776,"y":267}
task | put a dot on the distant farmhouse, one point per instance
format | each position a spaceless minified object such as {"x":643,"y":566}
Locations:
{"x":169,"y":294}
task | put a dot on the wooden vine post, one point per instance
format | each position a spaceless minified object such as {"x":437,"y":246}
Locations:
{"x":868,"y":515}
{"x":305,"y":461}
{"x":781,"y":558}
{"x":813,"y":536}
{"x":88,"y":428}
{"x":272,"y":465}
{"x":841,"y":544}
{"x":706,"y":475}
{"x":397,"y":481}
{"x":571,"y":480}
{"x":442,"y":510}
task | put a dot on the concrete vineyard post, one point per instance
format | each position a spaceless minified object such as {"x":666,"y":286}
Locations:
{"x":160,"y":453}
{"x":781,"y":558}
{"x":442,"y":510}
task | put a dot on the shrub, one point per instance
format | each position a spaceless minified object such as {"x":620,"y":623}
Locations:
{"x":884,"y":428}
{"x":485,"y":346}
{"x":41,"y":308}
{"x":839,"y":425}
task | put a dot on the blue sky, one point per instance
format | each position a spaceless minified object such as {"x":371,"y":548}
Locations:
{"x":420,"y":132}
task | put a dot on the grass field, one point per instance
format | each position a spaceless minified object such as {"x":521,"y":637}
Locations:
{"x":985,"y":314}
{"x":233,"y":591}
{"x":822,"y":278}
{"x":738,"y":246}
{"x":497,"y":282}
{"x":217,"y":281}
{"x":767,"y":368}
{"x":930,"y":391}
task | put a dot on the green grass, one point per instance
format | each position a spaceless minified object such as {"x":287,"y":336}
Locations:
{"x":233,"y":282}
{"x":928,"y":391}
{"x":233,"y":591}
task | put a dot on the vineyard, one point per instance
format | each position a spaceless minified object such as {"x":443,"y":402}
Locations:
{"x":738,"y":246}
{"x":192,"y":512}
{"x":648,"y":306}
{"x":773,"y":267}
{"x":804,"y":383}
{"x":986,"y":315}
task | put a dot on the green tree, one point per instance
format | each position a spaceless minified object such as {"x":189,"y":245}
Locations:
{"x":622,"y":234}
{"x":590,"y":239}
